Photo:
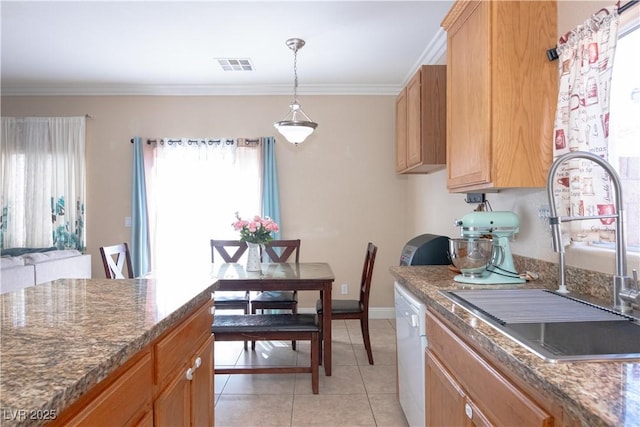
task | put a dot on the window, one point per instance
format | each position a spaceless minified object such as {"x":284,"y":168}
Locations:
{"x":624,"y":140}
{"x":196,"y":191}
{"x":43,"y":182}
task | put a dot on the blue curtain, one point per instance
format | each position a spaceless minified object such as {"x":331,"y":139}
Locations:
{"x":139,"y":214}
{"x":270,"y":192}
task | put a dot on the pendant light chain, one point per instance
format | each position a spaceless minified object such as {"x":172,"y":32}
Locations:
{"x":295,"y":75}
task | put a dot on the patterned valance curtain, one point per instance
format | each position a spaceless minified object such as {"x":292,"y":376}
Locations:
{"x":585,"y":64}
{"x":43,"y":182}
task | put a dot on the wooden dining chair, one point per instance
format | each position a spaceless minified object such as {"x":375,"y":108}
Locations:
{"x":356,"y":309}
{"x":278,"y":251}
{"x":230,"y":251}
{"x":114,"y":260}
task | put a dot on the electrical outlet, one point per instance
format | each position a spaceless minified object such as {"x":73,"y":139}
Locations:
{"x":544,"y":211}
{"x":475,"y":198}
{"x":344,"y":289}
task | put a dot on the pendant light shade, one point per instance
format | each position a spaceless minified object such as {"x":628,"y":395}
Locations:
{"x":296,"y":126}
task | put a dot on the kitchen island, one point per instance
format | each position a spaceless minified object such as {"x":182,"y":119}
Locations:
{"x":71,"y":345}
{"x":577,"y":393}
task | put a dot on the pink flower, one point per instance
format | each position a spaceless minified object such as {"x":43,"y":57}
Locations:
{"x":271,"y":226}
{"x":238,"y":225}
{"x":256,"y":231}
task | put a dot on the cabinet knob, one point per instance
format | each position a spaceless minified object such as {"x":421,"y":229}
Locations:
{"x":468,"y":411}
{"x":192,"y":370}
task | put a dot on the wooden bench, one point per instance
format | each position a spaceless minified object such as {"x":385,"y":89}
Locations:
{"x":268,"y":327}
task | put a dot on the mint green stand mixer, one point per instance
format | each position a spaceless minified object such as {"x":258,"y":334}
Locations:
{"x":482,"y":254}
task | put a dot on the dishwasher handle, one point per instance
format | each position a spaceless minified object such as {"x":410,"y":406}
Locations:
{"x":415,"y":321}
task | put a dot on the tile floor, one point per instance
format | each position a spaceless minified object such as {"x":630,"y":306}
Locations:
{"x":357,"y":394}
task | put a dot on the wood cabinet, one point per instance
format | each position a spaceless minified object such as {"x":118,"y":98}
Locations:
{"x":462,"y":388}
{"x":454,"y":407}
{"x":445,"y":397}
{"x":187,"y":400}
{"x":168,"y":383}
{"x":501,"y":94}
{"x":126,"y":401}
{"x":421,"y":122}
{"x":184,"y":363}
{"x":401,"y":131}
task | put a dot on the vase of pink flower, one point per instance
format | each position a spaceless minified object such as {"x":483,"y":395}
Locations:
{"x":255,"y":232}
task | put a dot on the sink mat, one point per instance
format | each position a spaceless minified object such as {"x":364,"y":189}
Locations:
{"x":533,"y":306}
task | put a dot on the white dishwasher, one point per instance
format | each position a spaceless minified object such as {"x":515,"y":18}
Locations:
{"x":411,"y":342}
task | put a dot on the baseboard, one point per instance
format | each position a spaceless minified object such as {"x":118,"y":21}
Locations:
{"x":374,"y":312}
{"x":382,"y":313}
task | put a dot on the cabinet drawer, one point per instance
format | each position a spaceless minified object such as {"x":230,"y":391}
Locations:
{"x":177,"y":348}
{"x":124,"y":402}
{"x":499,"y":399}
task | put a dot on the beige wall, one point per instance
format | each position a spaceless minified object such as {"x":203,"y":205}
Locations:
{"x":339,"y":189}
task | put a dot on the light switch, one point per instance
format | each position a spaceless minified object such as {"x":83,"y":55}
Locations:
{"x":127,"y":221}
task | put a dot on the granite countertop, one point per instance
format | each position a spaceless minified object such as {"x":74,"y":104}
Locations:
{"x":595,"y":393}
{"x":61,"y":338}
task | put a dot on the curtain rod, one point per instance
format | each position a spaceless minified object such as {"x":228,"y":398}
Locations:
{"x":552,"y":54}
{"x":154,"y":140}
{"x":149,"y":141}
{"x":86,"y":116}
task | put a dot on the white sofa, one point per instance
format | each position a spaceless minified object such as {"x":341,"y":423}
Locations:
{"x":18,"y":272}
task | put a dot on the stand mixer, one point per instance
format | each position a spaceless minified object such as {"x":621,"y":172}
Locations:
{"x":491,"y":263}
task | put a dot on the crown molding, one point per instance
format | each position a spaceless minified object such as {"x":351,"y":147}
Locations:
{"x":431,"y":55}
{"x":196,"y":90}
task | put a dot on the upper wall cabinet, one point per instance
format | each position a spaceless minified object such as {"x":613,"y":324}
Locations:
{"x":421,"y":122}
{"x":501,"y":93}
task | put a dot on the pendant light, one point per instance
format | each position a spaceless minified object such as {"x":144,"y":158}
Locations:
{"x":296,"y":125}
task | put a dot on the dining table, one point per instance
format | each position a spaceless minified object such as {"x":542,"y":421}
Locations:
{"x":303,"y":276}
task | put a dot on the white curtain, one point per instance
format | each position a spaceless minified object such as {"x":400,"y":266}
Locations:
{"x":43,"y":182}
{"x":195,"y":188}
{"x":585,"y":64}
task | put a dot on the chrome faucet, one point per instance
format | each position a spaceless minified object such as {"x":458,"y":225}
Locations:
{"x":622,"y":298}
{"x":632,"y":293}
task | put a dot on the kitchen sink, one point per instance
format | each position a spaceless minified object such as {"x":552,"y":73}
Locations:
{"x":553,"y":326}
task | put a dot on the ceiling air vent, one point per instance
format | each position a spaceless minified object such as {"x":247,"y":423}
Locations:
{"x":229,"y":64}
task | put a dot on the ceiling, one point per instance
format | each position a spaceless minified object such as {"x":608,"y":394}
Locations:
{"x":172,"y":47}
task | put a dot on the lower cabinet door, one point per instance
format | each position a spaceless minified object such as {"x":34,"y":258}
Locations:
{"x":202,"y":387}
{"x":173,"y":406}
{"x":446,"y":400}
{"x":188,"y":400}
{"x":447,"y":403}
{"x":146,"y":421}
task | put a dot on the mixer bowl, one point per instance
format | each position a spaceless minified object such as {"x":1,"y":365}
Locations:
{"x":471,"y":255}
